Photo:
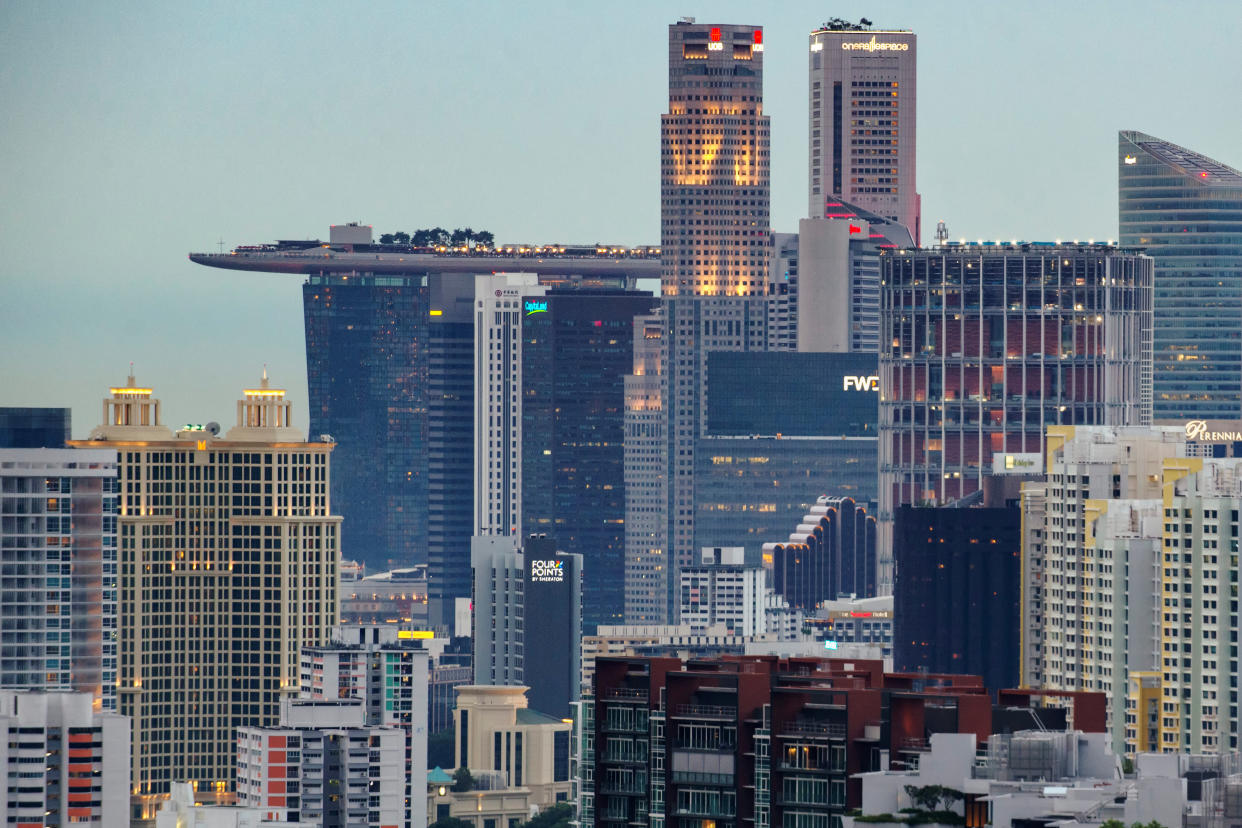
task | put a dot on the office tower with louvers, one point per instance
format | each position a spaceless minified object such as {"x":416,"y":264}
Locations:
{"x":983,"y":347}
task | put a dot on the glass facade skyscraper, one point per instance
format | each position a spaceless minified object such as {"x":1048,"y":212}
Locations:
{"x":783,"y":429}
{"x":1185,"y":211}
{"x":983,"y":347}
{"x":366,"y":374}
{"x":577,"y":347}
{"x":390,"y":375}
{"x":34,"y":427}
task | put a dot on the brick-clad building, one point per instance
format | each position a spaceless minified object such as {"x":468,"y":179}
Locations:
{"x":770,"y":741}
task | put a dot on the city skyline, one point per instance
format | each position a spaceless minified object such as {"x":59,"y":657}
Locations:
{"x":142,"y":133}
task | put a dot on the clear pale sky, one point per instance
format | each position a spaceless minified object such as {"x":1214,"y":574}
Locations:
{"x":133,"y":133}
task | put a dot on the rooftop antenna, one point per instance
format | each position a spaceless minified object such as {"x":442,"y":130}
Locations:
{"x":221,"y":243}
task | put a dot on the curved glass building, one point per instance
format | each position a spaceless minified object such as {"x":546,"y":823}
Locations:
{"x":1185,"y":210}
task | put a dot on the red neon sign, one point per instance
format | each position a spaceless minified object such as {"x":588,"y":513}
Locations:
{"x":758,"y":36}
{"x":854,"y":228}
{"x":715,"y":35}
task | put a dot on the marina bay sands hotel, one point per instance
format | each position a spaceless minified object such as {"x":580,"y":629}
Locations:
{"x":391,"y":372}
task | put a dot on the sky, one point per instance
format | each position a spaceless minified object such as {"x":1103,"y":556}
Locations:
{"x":135,"y":133}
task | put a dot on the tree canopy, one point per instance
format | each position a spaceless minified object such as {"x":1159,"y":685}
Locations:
{"x":451,"y":822}
{"x":838,"y":24}
{"x":463,"y":780}
{"x":558,"y":816}
{"x":438,"y":236}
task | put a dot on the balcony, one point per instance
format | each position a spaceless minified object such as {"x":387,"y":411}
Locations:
{"x":616,"y":757}
{"x":704,"y":711}
{"x":626,"y":694}
{"x":623,"y":788}
{"x":812,"y":730}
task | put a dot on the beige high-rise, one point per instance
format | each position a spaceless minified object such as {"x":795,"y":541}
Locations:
{"x":228,"y":567}
{"x":862,"y":124}
{"x":714,"y":208}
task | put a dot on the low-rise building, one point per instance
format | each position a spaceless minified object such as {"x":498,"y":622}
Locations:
{"x":770,"y":740}
{"x":324,"y":766}
{"x":1041,"y":778}
{"x":867,"y":621}
{"x":518,"y":760}
{"x":181,"y":811}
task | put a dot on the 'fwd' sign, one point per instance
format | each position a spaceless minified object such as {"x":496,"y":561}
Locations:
{"x":862,"y":383}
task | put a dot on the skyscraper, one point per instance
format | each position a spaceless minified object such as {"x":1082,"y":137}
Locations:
{"x":1185,"y":211}
{"x":228,"y":567}
{"x":714,"y":242}
{"x":783,"y":429}
{"x":836,"y":294}
{"x":499,"y":301}
{"x":863,"y":123}
{"x":983,"y":347}
{"x":367,"y":376}
{"x":973,"y":555}
{"x":450,"y":441}
{"x":34,"y":427}
{"x":58,"y":552}
{"x":390,"y":374}
{"x":528,"y":618}
{"x":646,"y":481}
{"x":577,"y":347}
{"x":829,"y":554}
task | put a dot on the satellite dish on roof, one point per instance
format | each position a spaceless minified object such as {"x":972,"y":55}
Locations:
{"x":213,"y":429}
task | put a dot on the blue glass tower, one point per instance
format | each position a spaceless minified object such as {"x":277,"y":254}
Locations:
{"x":366,"y":373}
{"x":1186,"y":210}
{"x":575,"y":355}
{"x":34,"y":427}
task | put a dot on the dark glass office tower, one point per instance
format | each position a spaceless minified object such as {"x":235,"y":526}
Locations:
{"x":957,"y":591}
{"x":366,"y":374}
{"x":1185,"y":210}
{"x":782,"y":429}
{"x":450,"y":440}
{"x":576,"y":350}
{"x":34,"y":427}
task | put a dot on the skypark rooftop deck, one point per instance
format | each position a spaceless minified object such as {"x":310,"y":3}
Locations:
{"x":311,"y":257}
